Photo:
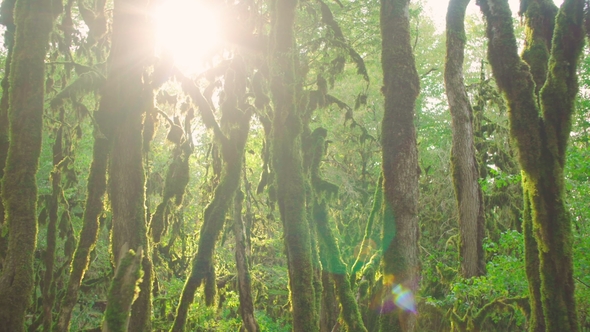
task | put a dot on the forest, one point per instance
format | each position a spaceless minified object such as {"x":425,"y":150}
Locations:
{"x":294,"y":165}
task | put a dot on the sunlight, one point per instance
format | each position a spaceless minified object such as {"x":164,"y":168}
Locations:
{"x":187,"y":31}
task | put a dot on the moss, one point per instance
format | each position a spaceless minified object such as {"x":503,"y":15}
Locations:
{"x":288,"y":165}
{"x":93,"y":207}
{"x":401,"y":86}
{"x":232,"y":138}
{"x":540,"y":127}
{"x":122,"y":291}
{"x":33,"y":22}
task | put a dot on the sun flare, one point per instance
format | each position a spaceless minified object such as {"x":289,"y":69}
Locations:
{"x":187,"y":31}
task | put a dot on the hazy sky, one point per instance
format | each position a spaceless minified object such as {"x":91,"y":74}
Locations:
{"x":438,"y":9}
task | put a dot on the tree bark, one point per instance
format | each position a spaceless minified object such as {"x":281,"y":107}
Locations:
{"x":540,"y":128}
{"x":463,"y":155}
{"x":232,"y":150}
{"x":244,"y":283}
{"x":6,"y":19}
{"x":33,"y":20}
{"x":401,"y":87}
{"x":288,"y":166}
{"x":128,"y":97}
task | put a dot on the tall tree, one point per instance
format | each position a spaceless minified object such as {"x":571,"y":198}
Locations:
{"x":463,"y":161}
{"x":288,"y":165}
{"x":541,"y":126}
{"x":33,"y":20}
{"x":129,"y":95}
{"x":401,"y":87}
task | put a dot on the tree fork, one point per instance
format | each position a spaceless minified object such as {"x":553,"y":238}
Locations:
{"x":541,"y":142}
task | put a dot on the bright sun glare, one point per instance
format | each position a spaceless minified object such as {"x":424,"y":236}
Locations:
{"x":187,"y":31}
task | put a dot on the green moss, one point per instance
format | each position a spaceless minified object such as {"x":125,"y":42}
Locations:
{"x":236,"y":126}
{"x":122,"y":292}
{"x":540,"y":130}
{"x":33,"y":22}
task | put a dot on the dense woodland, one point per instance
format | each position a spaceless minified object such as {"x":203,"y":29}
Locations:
{"x":335,"y":166}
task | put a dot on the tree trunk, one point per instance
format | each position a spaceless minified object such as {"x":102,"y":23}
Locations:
{"x":122,"y":291}
{"x":232,"y":150}
{"x":93,"y":207}
{"x":463,"y":160}
{"x":6,"y":19}
{"x":48,"y":295}
{"x":540,"y":128}
{"x":244,"y":283}
{"x":128,"y":97}
{"x":401,"y":87}
{"x":288,"y":166}
{"x":33,"y":21}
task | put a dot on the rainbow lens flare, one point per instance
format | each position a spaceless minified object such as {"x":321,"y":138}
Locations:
{"x":394,"y":296}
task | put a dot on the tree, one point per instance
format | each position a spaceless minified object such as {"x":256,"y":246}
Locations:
{"x":128,"y":95}
{"x":288,"y":167}
{"x":541,"y":91}
{"x":463,"y":160}
{"x":33,"y":20}
{"x":401,"y":87}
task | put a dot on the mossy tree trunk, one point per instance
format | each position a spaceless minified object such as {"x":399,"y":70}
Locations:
{"x":232,"y":135}
{"x":329,"y":249}
{"x":288,"y":166}
{"x":244,"y":281}
{"x":127,"y":96}
{"x":540,"y":23}
{"x":6,"y":19}
{"x":401,"y":87}
{"x":93,"y":207}
{"x":463,"y":155}
{"x":48,"y":286}
{"x":540,"y":126}
{"x":33,"y":20}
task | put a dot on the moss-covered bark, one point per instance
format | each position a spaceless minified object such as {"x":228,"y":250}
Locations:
{"x":332,"y":262}
{"x":6,"y":19}
{"x":288,"y":166}
{"x":463,"y":155}
{"x":33,"y":20}
{"x":401,"y":87}
{"x":362,"y":257}
{"x":47,"y":287}
{"x":244,"y":283}
{"x":93,"y":207}
{"x":122,"y":291}
{"x":127,"y":96}
{"x":540,"y":126}
{"x":232,"y":135}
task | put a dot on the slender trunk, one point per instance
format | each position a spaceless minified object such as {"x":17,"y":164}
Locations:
{"x":401,"y":87}
{"x":232,"y":150}
{"x":463,"y":159}
{"x":287,"y":161}
{"x":244,"y":282}
{"x":49,"y":259}
{"x":93,"y":207}
{"x":540,"y":127}
{"x":322,"y":191}
{"x":6,"y":19}
{"x":33,"y":20}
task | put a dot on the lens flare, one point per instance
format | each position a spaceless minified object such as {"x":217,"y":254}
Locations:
{"x":394,"y":296}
